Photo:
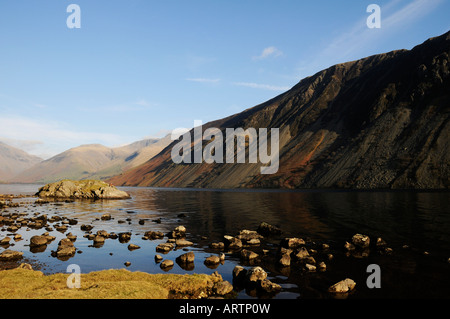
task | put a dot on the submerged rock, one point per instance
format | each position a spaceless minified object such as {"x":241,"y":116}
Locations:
{"x":266,"y":229}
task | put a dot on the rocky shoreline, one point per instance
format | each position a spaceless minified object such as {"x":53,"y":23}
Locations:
{"x":256,"y":249}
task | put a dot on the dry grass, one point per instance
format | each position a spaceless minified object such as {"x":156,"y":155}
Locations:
{"x":107,"y":284}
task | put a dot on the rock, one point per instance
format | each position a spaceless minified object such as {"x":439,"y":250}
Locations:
{"x":349,"y":247}
{"x":310,"y":268}
{"x":232,"y":242}
{"x":183,"y":243}
{"x":255,"y":274}
{"x":164,"y":247}
{"x":124,"y":237}
{"x":102,"y":233}
{"x":248,"y":254}
{"x":71,"y":237}
{"x":302,"y":253}
{"x":5,"y":241}
{"x":249,"y":237}
{"x":86,"y":227}
{"x":25,"y":266}
{"x":212,"y":260}
{"x":239,"y":273}
{"x":38,"y":241}
{"x":361,"y":241}
{"x":268,"y":286}
{"x":219,"y":245}
{"x":152,"y":235}
{"x":253,"y":242}
{"x":61,"y":228}
{"x":292,"y":242}
{"x":127,"y":263}
{"x":266,"y":229}
{"x":186,"y":258}
{"x":65,"y":248}
{"x":87,"y":189}
{"x":133,"y":247}
{"x":178,"y":232}
{"x":166,"y":264}
{"x":343,"y":286}
{"x":380,"y":243}
{"x":106,"y":217}
{"x":10,"y":255}
{"x":322,"y":266}
{"x":222,"y":288}
{"x":99,"y":239}
{"x":285,"y":260}
{"x":158,"y":258}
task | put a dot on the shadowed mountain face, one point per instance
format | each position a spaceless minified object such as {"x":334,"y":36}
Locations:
{"x":92,"y":162}
{"x":378,"y":122}
{"x":13,"y":161}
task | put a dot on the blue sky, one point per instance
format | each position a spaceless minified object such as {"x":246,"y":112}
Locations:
{"x":140,"y":68}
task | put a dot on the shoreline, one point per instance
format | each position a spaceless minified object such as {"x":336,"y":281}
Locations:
{"x":267,"y":247}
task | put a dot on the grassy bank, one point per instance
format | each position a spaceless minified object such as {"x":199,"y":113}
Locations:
{"x":107,"y":284}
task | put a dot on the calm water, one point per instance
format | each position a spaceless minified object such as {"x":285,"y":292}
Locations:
{"x":420,"y":220}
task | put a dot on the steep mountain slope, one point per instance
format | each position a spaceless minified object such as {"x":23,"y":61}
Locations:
{"x":378,"y":122}
{"x":13,"y":161}
{"x":91,"y":162}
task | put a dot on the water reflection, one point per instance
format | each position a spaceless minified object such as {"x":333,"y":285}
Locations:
{"x":412,"y":217}
{"x":419,"y":219}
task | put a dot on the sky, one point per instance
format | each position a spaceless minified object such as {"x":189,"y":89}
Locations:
{"x":136,"y":69}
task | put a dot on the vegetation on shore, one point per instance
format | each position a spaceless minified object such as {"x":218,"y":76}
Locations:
{"x":21,"y":283}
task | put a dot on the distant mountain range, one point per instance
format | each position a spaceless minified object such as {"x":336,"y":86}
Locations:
{"x":379,"y":122}
{"x":13,"y":161}
{"x":88,"y":162}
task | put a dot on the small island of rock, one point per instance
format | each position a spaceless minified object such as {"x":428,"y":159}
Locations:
{"x":87,"y":189}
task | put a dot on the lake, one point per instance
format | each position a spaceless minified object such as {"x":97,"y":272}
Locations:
{"x":414,"y":224}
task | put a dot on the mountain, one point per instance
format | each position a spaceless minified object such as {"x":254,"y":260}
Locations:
{"x":13,"y":161}
{"x":381,"y":122}
{"x":92,"y":161}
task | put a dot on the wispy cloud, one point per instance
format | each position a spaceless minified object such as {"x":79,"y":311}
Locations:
{"x":268,"y":52}
{"x":203,"y":80}
{"x":262,"y":86}
{"x":358,"y":39}
{"x":46,"y":138}
{"x":410,"y":13}
{"x":360,"y":35}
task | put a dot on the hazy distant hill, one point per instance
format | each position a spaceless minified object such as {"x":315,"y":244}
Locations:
{"x":92,"y":161}
{"x":378,"y":122}
{"x":13,"y":161}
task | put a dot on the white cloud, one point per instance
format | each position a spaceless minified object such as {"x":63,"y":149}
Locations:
{"x":268,"y":52}
{"x":203,"y":80}
{"x":262,"y":86}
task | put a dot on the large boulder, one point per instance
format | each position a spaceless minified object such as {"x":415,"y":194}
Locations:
{"x":89,"y":189}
